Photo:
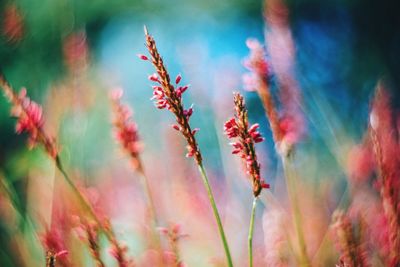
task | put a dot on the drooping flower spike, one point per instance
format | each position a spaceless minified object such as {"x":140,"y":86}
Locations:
{"x":237,"y":128}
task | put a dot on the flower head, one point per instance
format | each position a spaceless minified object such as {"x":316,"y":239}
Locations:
{"x":29,"y":116}
{"x":125,"y":129}
{"x":169,"y":96}
{"x":245,"y":137}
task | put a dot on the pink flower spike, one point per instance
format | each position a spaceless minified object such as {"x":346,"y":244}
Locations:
{"x":178,"y":78}
{"x":142,"y":57}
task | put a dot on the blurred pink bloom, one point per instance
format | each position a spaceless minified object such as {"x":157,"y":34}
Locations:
{"x":29,"y":116}
{"x":125,"y":129}
{"x":275,"y":239}
{"x":76,"y":51}
{"x":360,"y":163}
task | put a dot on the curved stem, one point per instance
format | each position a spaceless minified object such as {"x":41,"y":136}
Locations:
{"x":216,"y":214}
{"x":82,"y":200}
{"x":251,"y":230}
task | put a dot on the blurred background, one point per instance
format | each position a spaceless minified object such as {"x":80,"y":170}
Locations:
{"x":69,"y":54}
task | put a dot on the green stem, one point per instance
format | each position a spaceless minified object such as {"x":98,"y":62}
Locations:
{"x":216,"y":214}
{"x":152,"y":208}
{"x":251,"y":230}
{"x":290,"y":176}
{"x":82,"y":200}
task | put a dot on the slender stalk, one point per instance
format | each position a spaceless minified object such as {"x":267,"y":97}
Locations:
{"x":291,"y":178}
{"x":152,"y":209}
{"x":82,"y":200}
{"x":149,"y":194}
{"x":216,"y":214}
{"x":251,"y":230}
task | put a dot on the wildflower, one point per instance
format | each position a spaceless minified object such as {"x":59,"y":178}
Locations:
{"x":125,"y":129}
{"x":350,"y":242}
{"x":29,"y":116}
{"x":118,"y":251}
{"x":386,"y":149}
{"x":76,"y":51}
{"x":169,"y":96}
{"x":238,"y":128}
{"x":53,"y":243}
{"x":257,"y":80}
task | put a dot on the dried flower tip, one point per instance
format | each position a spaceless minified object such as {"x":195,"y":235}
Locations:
{"x":125,"y":129}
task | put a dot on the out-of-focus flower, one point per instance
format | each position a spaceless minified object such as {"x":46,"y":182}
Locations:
{"x":88,"y":233}
{"x":54,"y":245}
{"x":13,"y":28}
{"x":29,"y":118}
{"x":275,"y":239}
{"x":238,"y":127}
{"x":173,"y":234}
{"x":76,"y":51}
{"x":350,"y":243}
{"x":360,"y":163}
{"x":384,"y":136}
{"x":125,"y":129}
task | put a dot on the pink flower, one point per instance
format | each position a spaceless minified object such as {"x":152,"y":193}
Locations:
{"x":125,"y":129}
{"x":29,"y":116}
{"x":245,"y":137}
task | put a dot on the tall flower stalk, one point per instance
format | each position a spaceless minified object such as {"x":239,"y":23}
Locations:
{"x":126,"y":133}
{"x":166,"y":95}
{"x":30,"y":120}
{"x":286,"y":131}
{"x":238,"y":128}
{"x":385,"y":144}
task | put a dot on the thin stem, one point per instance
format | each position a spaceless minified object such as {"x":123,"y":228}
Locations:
{"x":290,"y":176}
{"x":216,"y":214}
{"x":152,"y":209}
{"x":149,"y":195}
{"x":251,"y":230}
{"x":82,"y":200}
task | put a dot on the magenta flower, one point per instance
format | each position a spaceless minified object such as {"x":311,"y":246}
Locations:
{"x":245,"y":137}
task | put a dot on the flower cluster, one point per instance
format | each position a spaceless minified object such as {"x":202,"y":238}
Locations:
{"x":384,"y":136}
{"x":350,"y":242}
{"x":169,"y":96}
{"x":29,"y":116}
{"x":238,"y":128}
{"x":88,"y":233}
{"x":125,"y":129}
{"x":257,"y":80}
